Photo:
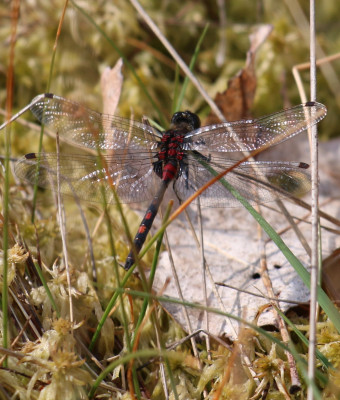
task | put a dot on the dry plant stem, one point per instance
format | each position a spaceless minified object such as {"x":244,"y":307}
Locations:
{"x":151,"y":313}
{"x":90,"y":356}
{"x":315,"y":215}
{"x":89,"y":242}
{"x":61,"y":218}
{"x":177,"y":58}
{"x":326,"y":68}
{"x":322,"y":214}
{"x":156,"y":54}
{"x":222,"y":15}
{"x":88,"y":237}
{"x":304,"y":66}
{"x":163,"y":378}
{"x":188,"y":337}
{"x":257,"y":294}
{"x":180,"y":295}
{"x":24,"y":313}
{"x":295,"y":227}
{"x":14,"y":14}
{"x":161,"y":366}
{"x":55,"y":45}
{"x":207,"y":268}
{"x":147,"y":316}
{"x":21,"y":333}
{"x":294,"y":376}
{"x":204,"y":280}
{"x":23,"y":328}
{"x":281,"y":387}
{"x":288,"y":227}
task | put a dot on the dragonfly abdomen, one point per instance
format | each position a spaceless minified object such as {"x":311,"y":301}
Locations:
{"x":146,"y":224}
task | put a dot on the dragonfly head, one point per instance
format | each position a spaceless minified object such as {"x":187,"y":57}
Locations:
{"x":185,"y":119}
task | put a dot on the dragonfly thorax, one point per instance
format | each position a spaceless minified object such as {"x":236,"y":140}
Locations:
{"x":171,"y":155}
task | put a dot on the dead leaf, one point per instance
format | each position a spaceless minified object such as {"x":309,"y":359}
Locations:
{"x":236,"y":101}
{"x":331,"y":275}
{"x":111,"y":85}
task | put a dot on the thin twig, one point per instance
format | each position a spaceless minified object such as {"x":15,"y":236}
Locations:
{"x":260,"y":295}
{"x":61,"y":218}
{"x":180,"y":295}
{"x":306,"y":65}
{"x":295,"y":227}
{"x":327,"y":69}
{"x":222,"y":46}
{"x":203,"y":274}
{"x":315,"y":214}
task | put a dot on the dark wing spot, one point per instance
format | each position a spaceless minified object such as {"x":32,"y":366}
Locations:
{"x":30,"y":156}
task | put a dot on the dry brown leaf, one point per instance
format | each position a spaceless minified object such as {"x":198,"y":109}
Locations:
{"x":236,"y":101}
{"x":331,"y":275}
{"x":111,"y":85}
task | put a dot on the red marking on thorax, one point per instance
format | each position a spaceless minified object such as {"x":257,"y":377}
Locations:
{"x":180,"y":155}
{"x":170,"y":151}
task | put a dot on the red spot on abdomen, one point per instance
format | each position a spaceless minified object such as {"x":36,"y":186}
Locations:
{"x":169,"y":172}
{"x":142,"y":229}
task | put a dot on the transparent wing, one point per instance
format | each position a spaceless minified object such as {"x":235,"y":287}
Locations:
{"x":257,"y":181}
{"x":248,"y":135}
{"x":130,"y":174}
{"x":91,"y":129}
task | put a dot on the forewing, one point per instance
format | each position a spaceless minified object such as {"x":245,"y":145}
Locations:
{"x":256,"y":181}
{"x":248,"y":135}
{"x":85,"y":176}
{"x":91,"y":129}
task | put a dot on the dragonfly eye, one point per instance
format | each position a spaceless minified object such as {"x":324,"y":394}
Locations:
{"x":186,"y":117}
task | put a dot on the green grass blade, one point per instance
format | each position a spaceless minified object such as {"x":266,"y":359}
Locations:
{"x":191,"y":67}
{"x":5,"y":236}
{"x":47,"y":289}
{"x":175,"y":100}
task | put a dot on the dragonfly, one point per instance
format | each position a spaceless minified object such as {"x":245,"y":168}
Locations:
{"x":140,"y":162}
